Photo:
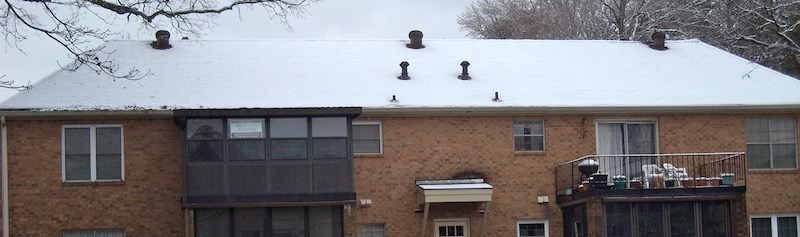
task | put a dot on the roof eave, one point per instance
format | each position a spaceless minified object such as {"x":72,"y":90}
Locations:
{"x":637,"y":110}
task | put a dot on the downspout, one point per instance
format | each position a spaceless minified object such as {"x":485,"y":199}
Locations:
{"x":4,"y":147}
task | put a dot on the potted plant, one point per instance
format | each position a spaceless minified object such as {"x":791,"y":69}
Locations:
{"x":619,"y":181}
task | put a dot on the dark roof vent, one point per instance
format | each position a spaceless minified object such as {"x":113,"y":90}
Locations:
{"x":658,"y":41}
{"x":464,"y":73}
{"x":416,"y":39}
{"x":404,"y":73}
{"x":162,"y":40}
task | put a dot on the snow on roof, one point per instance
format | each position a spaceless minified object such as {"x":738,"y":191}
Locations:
{"x":363,"y":73}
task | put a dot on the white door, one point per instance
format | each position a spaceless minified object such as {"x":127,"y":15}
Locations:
{"x":451,"y":228}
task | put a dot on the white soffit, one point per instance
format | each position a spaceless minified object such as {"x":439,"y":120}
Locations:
{"x":460,"y":190}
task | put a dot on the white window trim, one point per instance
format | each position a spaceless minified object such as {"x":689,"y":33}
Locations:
{"x":93,"y":155}
{"x":771,"y":158}
{"x":545,"y":222}
{"x":380,"y":135}
{"x":774,"y":221}
{"x":543,"y":135}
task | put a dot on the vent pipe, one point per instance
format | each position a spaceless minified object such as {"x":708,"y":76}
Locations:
{"x":464,"y":73}
{"x":416,"y":39}
{"x":162,"y":40}
{"x":659,"y":39}
{"x":404,"y":73}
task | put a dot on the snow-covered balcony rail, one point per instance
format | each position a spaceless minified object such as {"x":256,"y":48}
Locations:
{"x":685,"y":170}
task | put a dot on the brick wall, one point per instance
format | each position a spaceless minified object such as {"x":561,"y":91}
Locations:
{"x":418,"y":148}
{"x":147,"y":203}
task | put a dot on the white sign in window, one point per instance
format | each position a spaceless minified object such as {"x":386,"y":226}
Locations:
{"x":246,"y":128}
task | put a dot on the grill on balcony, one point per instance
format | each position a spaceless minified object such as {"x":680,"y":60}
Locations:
{"x":662,"y":174}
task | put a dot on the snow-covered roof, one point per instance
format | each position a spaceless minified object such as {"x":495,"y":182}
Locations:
{"x":363,"y":73}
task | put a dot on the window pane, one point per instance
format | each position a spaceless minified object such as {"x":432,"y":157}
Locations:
{"x":249,"y":222}
{"x":650,"y":219}
{"x":761,"y":227}
{"x":681,"y":219}
{"x":618,"y":219}
{"x":109,"y":167}
{"x":245,"y":128}
{"x":204,"y":150}
{"x":286,"y":149}
{"x":758,"y":130}
{"x":94,"y":233}
{"x":289,"y":222}
{"x":784,"y":156}
{"x":78,"y":233}
{"x":288,"y":127}
{"x":531,"y":230}
{"x":109,"y":141}
{"x":76,"y":141}
{"x":641,"y":138}
{"x":325,"y":221}
{"x":366,"y":146}
{"x":329,"y":148}
{"x":366,"y":131}
{"x":204,"y":129}
{"x":246,"y":150}
{"x":758,"y":156}
{"x":329,"y":127}
{"x":715,"y":219}
{"x":76,"y":167}
{"x":212,"y":222}
{"x":372,"y":230}
{"x":529,"y":143}
{"x":782,"y":131}
{"x":787,"y":226}
{"x":109,"y":233}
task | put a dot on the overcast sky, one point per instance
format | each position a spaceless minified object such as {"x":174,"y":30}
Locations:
{"x":329,"y":19}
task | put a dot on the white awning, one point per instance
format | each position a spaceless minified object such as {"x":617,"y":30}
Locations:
{"x":454,"y":190}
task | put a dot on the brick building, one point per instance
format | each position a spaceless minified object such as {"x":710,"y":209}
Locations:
{"x":463,"y":138}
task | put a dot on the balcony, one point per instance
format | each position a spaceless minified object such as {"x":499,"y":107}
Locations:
{"x":652,"y":176}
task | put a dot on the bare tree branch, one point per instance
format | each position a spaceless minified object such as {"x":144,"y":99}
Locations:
{"x":65,"y":23}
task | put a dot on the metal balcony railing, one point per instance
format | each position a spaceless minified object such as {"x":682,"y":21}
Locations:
{"x":685,"y":170}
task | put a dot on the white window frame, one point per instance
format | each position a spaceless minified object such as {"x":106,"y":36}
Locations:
{"x":380,"y":136}
{"x":371,"y":232}
{"x":545,"y":222}
{"x":770,"y":143}
{"x":543,"y":135}
{"x":93,"y":153}
{"x":774,"y":221}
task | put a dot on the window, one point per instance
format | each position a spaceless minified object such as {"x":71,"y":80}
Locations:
{"x":276,"y":221}
{"x":372,"y":230}
{"x":367,"y":138}
{"x":529,"y":135}
{"x":771,"y":143}
{"x":451,"y":228}
{"x":774,"y":225}
{"x":623,"y":138}
{"x":92,"y":153}
{"x":532,"y":228}
{"x":94,"y":233}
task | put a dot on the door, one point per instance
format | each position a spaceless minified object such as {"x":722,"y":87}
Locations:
{"x":625,"y":138}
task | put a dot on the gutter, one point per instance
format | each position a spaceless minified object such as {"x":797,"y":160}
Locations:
{"x":4,"y":147}
{"x":641,"y":110}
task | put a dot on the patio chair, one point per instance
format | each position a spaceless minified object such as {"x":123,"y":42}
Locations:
{"x":652,"y":173}
{"x":675,"y":172}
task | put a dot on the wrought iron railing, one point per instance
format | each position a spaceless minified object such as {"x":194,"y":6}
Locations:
{"x":684,"y":170}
